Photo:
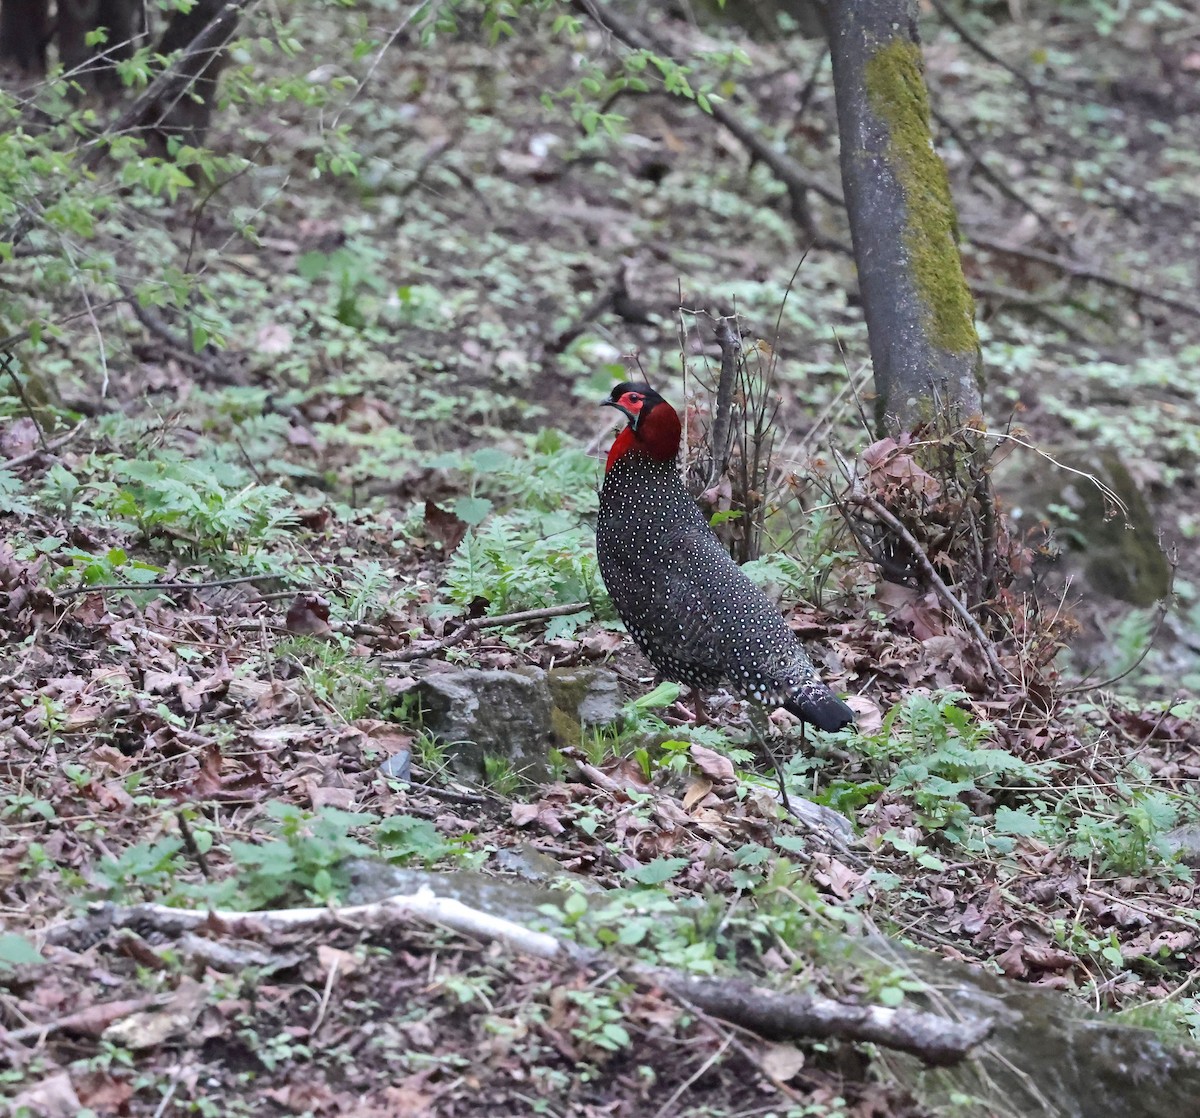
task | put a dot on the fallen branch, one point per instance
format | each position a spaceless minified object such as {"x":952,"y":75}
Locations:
{"x":769,"y":1013}
{"x":994,"y":177}
{"x":949,"y":599}
{"x":49,"y":448}
{"x":936,"y":1041}
{"x":403,"y":908}
{"x":91,"y":1021}
{"x":980,"y":49}
{"x":178,"y":347}
{"x":468,"y":627}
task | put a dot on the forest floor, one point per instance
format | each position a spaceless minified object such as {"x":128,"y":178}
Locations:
{"x":400,"y":431}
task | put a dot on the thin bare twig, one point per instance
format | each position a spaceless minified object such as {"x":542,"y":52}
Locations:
{"x":468,"y":627}
{"x":118,"y":586}
{"x":1076,"y":269}
{"x":949,"y":599}
{"x":669,"y":1106}
{"x":1164,"y":607}
{"x":25,"y":335}
{"x":6,"y":362}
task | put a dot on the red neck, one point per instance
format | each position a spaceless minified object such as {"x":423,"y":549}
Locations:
{"x":657,"y":437}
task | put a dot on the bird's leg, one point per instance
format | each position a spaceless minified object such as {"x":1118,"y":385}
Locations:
{"x":760,"y":731}
{"x":821,"y":820}
{"x":700,"y":717}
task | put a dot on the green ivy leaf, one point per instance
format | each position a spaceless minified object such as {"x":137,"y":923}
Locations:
{"x":17,"y":951}
{"x":474,"y":510}
{"x":658,"y":871}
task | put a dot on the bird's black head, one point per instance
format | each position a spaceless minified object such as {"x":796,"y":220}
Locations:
{"x":635,"y":400}
{"x":654,"y":426}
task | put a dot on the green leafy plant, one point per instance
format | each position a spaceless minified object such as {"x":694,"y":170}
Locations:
{"x":17,"y":951}
{"x":303,"y":862}
{"x":350,"y":684}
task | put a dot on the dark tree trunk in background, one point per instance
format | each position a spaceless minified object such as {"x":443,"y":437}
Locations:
{"x":918,"y":308}
{"x":186,"y":109}
{"x":183,"y":98}
{"x":23,"y":32}
{"x":92,"y":66}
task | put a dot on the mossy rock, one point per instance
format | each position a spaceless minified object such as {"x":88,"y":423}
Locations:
{"x":1116,"y":552}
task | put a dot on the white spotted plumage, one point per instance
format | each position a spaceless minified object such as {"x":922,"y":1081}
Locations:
{"x":686,"y":603}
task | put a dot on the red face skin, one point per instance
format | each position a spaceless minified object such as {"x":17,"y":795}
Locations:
{"x":653,"y":430}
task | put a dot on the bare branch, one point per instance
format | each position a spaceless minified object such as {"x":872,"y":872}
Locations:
{"x":468,"y":627}
{"x":722,"y":430}
{"x":1078,"y":270}
{"x":932,"y":1038}
{"x":787,"y":170}
{"x":118,"y":586}
{"x":935,"y":580}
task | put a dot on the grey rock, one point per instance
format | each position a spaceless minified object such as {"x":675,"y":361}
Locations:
{"x":520,"y":901}
{"x":398,"y":766}
{"x":590,"y":697}
{"x":1184,"y":841}
{"x":490,"y":713}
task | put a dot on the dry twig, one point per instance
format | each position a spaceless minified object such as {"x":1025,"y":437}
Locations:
{"x":118,"y":586}
{"x":468,"y":627}
{"x":949,"y":599}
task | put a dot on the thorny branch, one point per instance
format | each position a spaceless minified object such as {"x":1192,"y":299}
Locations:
{"x":722,"y":431}
{"x":949,"y":599}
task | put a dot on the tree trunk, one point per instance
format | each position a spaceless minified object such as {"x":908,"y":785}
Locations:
{"x":185,"y":112}
{"x":23,"y":33}
{"x":918,"y":308}
{"x":93,"y":66}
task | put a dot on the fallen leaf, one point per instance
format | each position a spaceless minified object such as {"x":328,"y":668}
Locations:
{"x":780,"y":1062}
{"x":308,"y":613}
{"x":713,"y":764}
{"x":52,"y":1098}
{"x":332,"y":959}
{"x":443,"y":527}
{"x":696,"y":792}
{"x":273,"y":338}
{"x":104,"y":1094}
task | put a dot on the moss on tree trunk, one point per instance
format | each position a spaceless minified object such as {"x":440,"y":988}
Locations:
{"x":919,"y":310}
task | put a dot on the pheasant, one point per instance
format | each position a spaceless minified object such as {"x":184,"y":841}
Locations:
{"x":685,"y":602}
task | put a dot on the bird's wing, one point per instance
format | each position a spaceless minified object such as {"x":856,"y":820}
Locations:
{"x":689,"y":604}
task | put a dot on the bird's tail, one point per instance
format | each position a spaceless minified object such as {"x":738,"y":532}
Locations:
{"x":821,"y":707}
